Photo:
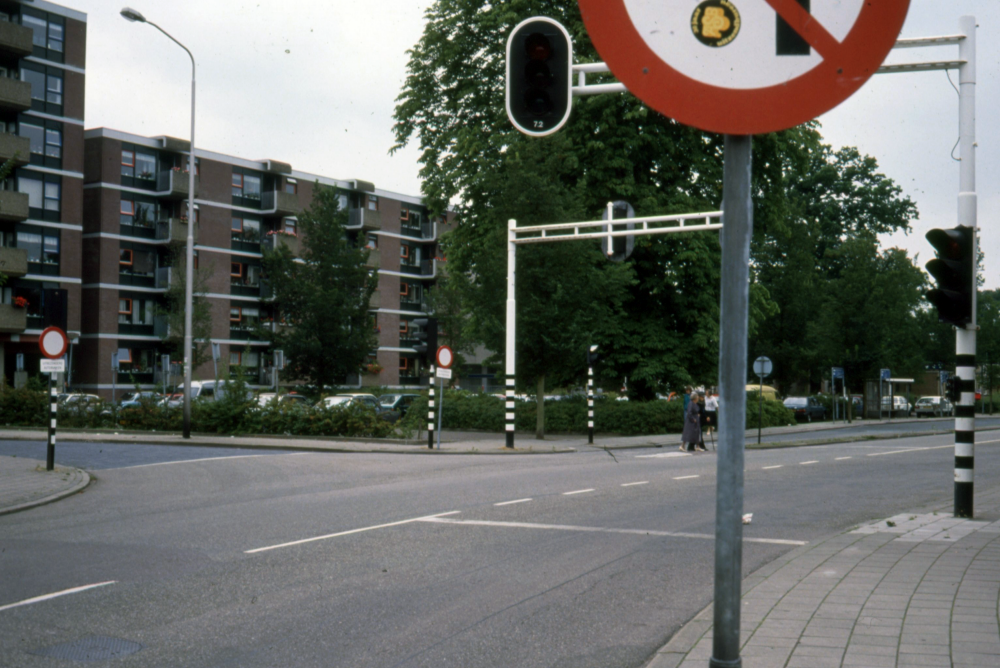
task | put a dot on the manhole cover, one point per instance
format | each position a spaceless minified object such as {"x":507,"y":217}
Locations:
{"x":91,"y":648}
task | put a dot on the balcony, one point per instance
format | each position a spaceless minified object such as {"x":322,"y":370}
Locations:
{"x":13,"y":206}
{"x":14,"y":95}
{"x":15,"y":39}
{"x":13,"y":319}
{"x":175,"y":230}
{"x":275,"y":240}
{"x":11,"y":145}
{"x":374,"y":260}
{"x":173,"y":184}
{"x":13,"y":262}
{"x":406,"y":304}
{"x":165,"y":277}
{"x":422,"y":231}
{"x":364,"y":219}
{"x":376,"y":300}
{"x":280,"y":203}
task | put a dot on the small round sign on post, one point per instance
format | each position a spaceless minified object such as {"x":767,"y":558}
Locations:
{"x":762,"y":366}
{"x":743,"y":67}
{"x":445,"y":357}
{"x":53,"y":342}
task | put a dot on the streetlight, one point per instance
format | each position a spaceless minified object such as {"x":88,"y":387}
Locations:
{"x":134,"y":16}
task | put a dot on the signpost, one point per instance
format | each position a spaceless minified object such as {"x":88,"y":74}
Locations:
{"x":835,"y":373}
{"x":53,"y":344}
{"x":739,"y":68}
{"x":763,"y":367}
{"x":444,"y":359}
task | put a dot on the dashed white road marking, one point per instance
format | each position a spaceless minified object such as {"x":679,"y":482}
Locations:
{"x":578,"y":491}
{"x":64,"y":592}
{"x":510,"y":503}
{"x":768,"y":468}
{"x":347,"y":533}
{"x":812,"y":461}
{"x":897,"y":452}
{"x":569,"y":527}
{"x":210,"y":459}
{"x":687,"y":477}
{"x":631,"y":484}
{"x":664,"y":455}
{"x":840,"y":459}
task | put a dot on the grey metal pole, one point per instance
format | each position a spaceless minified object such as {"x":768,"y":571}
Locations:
{"x":511,"y":346}
{"x":736,"y":232}
{"x":760,"y":408}
{"x":440,"y":408}
{"x":965,"y":339}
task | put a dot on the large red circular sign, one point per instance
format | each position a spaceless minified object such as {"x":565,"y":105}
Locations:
{"x":445,"y":357}
{"x":53,"y":342}
{"x":743,"y":66}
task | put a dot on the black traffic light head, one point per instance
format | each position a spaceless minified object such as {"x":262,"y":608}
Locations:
{"x":427,"y":336}
{"x":954,"y":270}
{"x":539,"y":76}
{"x":952,"y":390}
{"x":593,"y":357}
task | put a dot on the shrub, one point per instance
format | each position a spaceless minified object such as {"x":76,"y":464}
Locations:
{"x":24,"y":407}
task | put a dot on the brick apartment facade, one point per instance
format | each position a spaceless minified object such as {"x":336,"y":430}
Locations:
{"x":42,"y":71}
{"x":134,"y":219}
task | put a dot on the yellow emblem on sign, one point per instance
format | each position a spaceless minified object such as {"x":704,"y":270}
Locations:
{"x":715,"y":23}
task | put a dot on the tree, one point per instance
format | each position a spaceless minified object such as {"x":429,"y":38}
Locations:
{"x":174,"y":308}
{"x":322,"y":301}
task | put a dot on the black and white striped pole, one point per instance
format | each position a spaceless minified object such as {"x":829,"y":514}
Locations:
{"x":53,"y":344}
{"x":592,"y":358}
{"x":50,"y":457}
{"x":430,"y":412}
{"x":510,"y":352}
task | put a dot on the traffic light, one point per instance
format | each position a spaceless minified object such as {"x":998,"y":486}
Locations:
{"x":620,"y":248}
{"x":954,"y":269}
{"x":427,"y":335}
{"x":593,"y":356}
{"x":953,"y":390}
{"x":539,"y":76}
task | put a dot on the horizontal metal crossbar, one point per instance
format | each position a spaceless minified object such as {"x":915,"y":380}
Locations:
{"x":921,"y":67}
{"x":915,"y":42}
{"x":688,"y":222}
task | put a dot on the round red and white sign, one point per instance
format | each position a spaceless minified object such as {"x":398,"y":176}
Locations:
{"x":53,"y":342}
{"x":445,"y":357}
{"x":743,"y":66}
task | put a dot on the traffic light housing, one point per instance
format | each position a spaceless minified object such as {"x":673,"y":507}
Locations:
{"x":952,"y":390}
{"x":593,"y":357}
{"x":954,"y":270}
{"x":427,"y":336}
{"x":539,"y":76}
{"x":618,"y":249}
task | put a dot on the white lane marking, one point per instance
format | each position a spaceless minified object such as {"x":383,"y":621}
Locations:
{"x":46,"y":597}
{"x":508,"y":503}
{"x":768,"y":468}
{"x":347,"y":533}
{"x":208,"y":459}
{"x":982,"y":442}
{"x":631,"y":484}
{"x":687,"y":477}
{"x":897,"y":452}
{"x":664,"y":455}
{"x":633,"y":532}
{"x":840,"y":459}
{"x":579,"y":491}
{"x":814,"y":461}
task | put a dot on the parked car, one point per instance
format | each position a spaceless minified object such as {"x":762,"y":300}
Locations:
{"x":768,"y":392}
{"x":264,"y":398}
{"x":80,"y":402}
{"x":394,"y":406}
{"x":353,"y":399}
{"x":806,"y":408}
{"x":898,"y":406}
{"x":933,"y":406}
{"x":133,"y":399}
{"x":211,"y":389}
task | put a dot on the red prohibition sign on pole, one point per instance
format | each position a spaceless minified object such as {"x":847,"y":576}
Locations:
{"x":445,"y":357}
{"x":53,"y":342}
{"x":743,"y":66}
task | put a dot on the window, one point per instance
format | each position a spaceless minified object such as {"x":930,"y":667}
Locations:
{"x":372,"y":203}
{"x":145,"y":166}
{"x":404,"y":214}
{"x":235,"y":314}
{"x":372,"y":242}
{"x":290,"y":226}
{"x":235,"y":358}
{"x":53,"y":143}
{"x":291,"y":186}
{"x":235,"y":270}
{"x":128,"y":163}
{"x":33,"y":189}
{"x":124,"y":307}
{"x":37,"y":81}
{"x":31,"y":243}
{"x":127,"y":211}
{"x":125,"y":257}
{"x":237,"y":185}
{"x":404,"y":363}
{"x":404,"y":327}
{"x":54,"y":89}
{"x":251,"y":186}
{"x":404,"y":252}
{"x":50,"y":249}
{"x":52,"y":196}
{"x":237,"y":227}
{"x":46,"y":34}
{"x":246,"y":229}
{"x":35,"y":135}
{"x":46,"y":87}
{"x":124,"y":356}
{"x":404,"y":289}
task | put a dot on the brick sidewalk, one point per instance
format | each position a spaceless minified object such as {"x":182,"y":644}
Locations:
{"x":24,"y":483}
{"x":915,"y":590}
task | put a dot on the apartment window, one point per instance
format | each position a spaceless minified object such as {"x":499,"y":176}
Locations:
{"x":372,"y":203}
{"x":235,"y":358}
{"x":291,"y":187}
{"x":290,"y":226}
{"x":404,"y":327}
{"x":48,"y":32}
{"x":35,"y":135}
{"x":127,"y":212}
{"x":250,"y":316}
{"x":124,"y":308}
{"x":247,"y":359}
{"x":53,"y":143}
{"x":50,"y":249}
{"x":235,"y":270}
{"x":124,"y":356}
{"x":246,"y":229}
{"x":52,"y":196}
{"x":237,"y":226}
{"x":251,"y":186}
{"x":31,"y":243}
{"x":128,"y":163}
{"x":235,"y":314}
{"x":404,"y":252}
{"x":404,"y":214}
{"x":145,"y":166}
{"x":46,"y":88}
{"x":237,"y":185}
{"x":125,"y":257}
{"x":404,"y":289}
{"x":372,"y":242}
{"x":34,"y":189}
{"x":404,"y":363}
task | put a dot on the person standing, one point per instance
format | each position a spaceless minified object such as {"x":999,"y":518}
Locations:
{"x":692,"y":425}
{"x":711,"y":411}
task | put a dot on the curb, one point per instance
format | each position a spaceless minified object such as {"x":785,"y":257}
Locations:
{"x":78,"y":487}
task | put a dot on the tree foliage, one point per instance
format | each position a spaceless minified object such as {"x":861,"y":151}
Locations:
{"x":322,"y":299}
{"x":174,"y":308}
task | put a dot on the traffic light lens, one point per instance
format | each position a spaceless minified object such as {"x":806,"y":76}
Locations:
{"x":538,"y":74}
{"x":538,"y":102}
{"x":538,"y":46}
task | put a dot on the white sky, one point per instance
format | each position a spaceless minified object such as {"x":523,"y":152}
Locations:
{"x":314,"y":83}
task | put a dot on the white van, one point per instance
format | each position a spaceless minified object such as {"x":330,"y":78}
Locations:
{"x":211,"y":390}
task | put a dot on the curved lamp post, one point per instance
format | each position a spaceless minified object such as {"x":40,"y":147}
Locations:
{"x":134,"y":16}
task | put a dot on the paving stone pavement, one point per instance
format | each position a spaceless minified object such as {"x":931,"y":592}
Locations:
{"x":24,"y":483}
{"x":917,"y":590}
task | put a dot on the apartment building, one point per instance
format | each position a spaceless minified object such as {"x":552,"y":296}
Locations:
{"x":42,"y":73}
{"x":135,"y":221}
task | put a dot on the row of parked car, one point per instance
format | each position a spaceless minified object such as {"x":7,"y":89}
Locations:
{"x":807,"y":409}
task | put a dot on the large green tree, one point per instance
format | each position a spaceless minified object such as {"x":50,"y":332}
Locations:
{"x":174,"y":308}
{"x":322,"y":299}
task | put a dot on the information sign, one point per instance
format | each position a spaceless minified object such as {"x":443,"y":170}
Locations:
{"x":762,"y":366}
{"x":443,"y":373}
{"x":53,"y":366}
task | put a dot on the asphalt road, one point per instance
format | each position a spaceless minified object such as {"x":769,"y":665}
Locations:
{"x":558,"y":561}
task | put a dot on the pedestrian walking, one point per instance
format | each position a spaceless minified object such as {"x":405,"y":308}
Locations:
{"x":703,"y":420}
{"x":692,"y":425}
{"x":712,"y":411}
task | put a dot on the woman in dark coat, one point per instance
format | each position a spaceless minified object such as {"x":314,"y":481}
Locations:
{"x":692,"y":425}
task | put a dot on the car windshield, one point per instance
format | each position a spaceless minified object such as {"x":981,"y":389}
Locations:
{"x":388,"y":400}
{"x":796,"y":401}
{"x":337,"y":401}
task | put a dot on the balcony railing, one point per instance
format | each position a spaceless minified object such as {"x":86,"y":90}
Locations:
{"x":13,"y":319}
{"x":275,"y":240}
{"x":13,"y":262}
{"x":376,"y":300}
{"x":14,"y":95}
{"x":364,"y":219}
{"x":174,"y":230}
{"x":15,"y":40}
{"x":11,"y":145}
{"x":374,"y":260}
{"x":13,"y":205}
{"x":173,"y":184}
{"x":165,"y":277}
{"x":280,"y":203}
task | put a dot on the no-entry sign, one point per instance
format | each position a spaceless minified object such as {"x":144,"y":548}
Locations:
{"x":53,"y":342}
{"x":743,"y":66}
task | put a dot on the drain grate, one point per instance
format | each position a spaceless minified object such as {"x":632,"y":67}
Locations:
{"x":91,"y":648}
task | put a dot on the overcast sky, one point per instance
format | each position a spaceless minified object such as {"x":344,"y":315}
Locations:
{"x":314,"y":83}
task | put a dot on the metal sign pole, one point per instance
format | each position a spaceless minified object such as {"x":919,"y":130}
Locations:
{"x":511,"y":346}
{"x":736,"y":233}
{"x":760,"y":408}
{"x":440,"y":409}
